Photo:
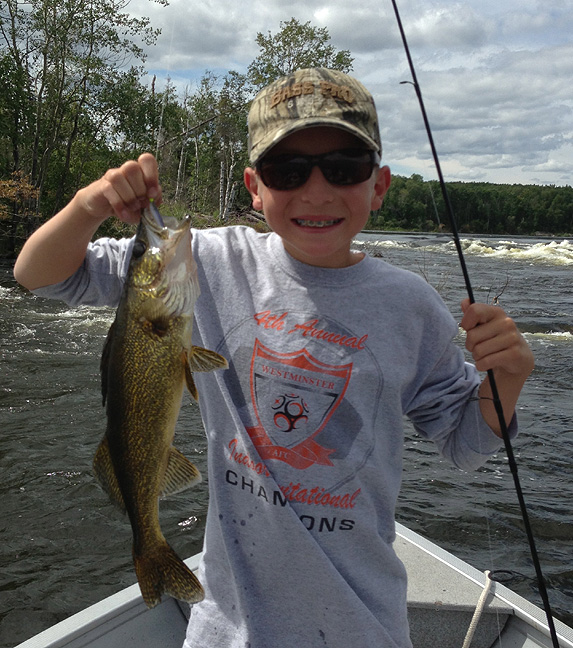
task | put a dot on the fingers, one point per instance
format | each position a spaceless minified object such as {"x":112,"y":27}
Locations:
{"x":148,"y":165}
{"x":494,"y":340}
{"x":495,"y":344}
{"x":129,"y":188}
{"x":476,"y":313}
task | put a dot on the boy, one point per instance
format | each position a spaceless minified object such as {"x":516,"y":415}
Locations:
{"x":327,"y":350}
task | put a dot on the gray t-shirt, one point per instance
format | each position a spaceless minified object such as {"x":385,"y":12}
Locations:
{"x":305,"y":434}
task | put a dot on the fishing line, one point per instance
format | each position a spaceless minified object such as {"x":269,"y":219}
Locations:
{"x":493,"y":386}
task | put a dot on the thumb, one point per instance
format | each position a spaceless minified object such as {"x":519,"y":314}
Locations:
{"x":465,"y":304}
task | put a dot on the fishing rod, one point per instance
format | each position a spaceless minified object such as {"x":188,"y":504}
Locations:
{"x":493,"y":386}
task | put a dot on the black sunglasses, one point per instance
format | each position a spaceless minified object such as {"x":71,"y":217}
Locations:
{"x":292,"y":170}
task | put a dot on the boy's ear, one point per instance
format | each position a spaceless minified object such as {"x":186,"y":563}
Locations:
{"x":251,"y":181}
{"x":381,"y":186}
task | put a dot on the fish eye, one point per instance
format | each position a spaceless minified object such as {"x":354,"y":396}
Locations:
{"x":139,"y":248}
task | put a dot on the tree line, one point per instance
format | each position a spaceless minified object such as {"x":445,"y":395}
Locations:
{"x":479,"y":207}
{"x":76,"y":100}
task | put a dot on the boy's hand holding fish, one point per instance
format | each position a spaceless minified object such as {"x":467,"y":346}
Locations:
{"x":124,"y":191}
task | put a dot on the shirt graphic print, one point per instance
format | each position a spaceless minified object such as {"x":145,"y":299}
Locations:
{"x":302,"y":380}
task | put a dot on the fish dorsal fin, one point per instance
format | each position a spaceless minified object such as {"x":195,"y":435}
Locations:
{"x":179,"y":475}
{"x":105,"y":474}
{"x":205,"y":360}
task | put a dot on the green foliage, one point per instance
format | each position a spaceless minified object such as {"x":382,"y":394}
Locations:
{"x":75,"y":102}
{"x":63,"y":61}
{"x":479,"y":207}
{"x":294,"y":47}
{"x":213,"y":148}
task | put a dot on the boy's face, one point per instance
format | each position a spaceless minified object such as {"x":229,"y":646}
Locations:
{"x":318,"y":220}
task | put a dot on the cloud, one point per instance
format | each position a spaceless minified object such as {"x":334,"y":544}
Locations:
{"x":198,"y":36}
{"x":449,"y":26}
{"x":495,"y":76}
{"x":373,"y":26}
{"x":510,"y":110}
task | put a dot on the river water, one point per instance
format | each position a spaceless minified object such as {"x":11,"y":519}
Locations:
{"x":63,"y":546}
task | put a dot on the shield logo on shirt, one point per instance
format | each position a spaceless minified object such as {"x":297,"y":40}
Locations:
{"x":294,"y":395}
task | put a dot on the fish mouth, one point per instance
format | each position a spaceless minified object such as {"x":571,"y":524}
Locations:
{"x":165,"y":232}
{"x":175,"y":280}
{"x":163,"y":228}
{"x":317,"y":224}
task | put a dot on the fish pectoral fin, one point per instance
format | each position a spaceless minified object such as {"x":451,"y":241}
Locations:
{"x":199,"y":359}
{"x":179,"y":475}
{"x":205,"y":360}
{"x":105,"y":474}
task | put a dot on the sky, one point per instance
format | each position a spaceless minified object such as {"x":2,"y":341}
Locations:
{"x":496,"y":76}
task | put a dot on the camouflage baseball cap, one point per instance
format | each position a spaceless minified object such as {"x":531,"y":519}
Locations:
{"x":311,"y":97}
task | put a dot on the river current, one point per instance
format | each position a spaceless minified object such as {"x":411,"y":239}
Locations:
{"x":63,"y":546}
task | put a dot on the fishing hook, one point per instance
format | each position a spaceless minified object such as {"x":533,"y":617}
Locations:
{"x":496,"y":400}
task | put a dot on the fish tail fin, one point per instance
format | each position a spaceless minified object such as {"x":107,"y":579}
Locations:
{"x":161,"y":571}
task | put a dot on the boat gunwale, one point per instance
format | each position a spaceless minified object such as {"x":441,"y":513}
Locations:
{"x":118,"y":605}
{"x":522,"y":608}
{"x":128,"y":603}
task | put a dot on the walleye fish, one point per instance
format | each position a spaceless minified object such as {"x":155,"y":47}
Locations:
{"x":147,"y":359}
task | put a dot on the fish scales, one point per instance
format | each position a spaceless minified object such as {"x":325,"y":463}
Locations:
{"x":147,"y":360}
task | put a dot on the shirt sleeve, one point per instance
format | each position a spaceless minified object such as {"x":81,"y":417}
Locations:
{"x":445,"y":407}
{"x":454,"y":422}
{"x":99,"y":280}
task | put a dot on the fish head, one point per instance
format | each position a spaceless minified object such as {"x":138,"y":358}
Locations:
{"x":162,"y":264}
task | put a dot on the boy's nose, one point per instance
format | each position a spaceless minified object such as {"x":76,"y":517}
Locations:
{"x":317,"y":189}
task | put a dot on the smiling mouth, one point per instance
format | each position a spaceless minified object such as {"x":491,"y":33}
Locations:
{"x":317,"y":224}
